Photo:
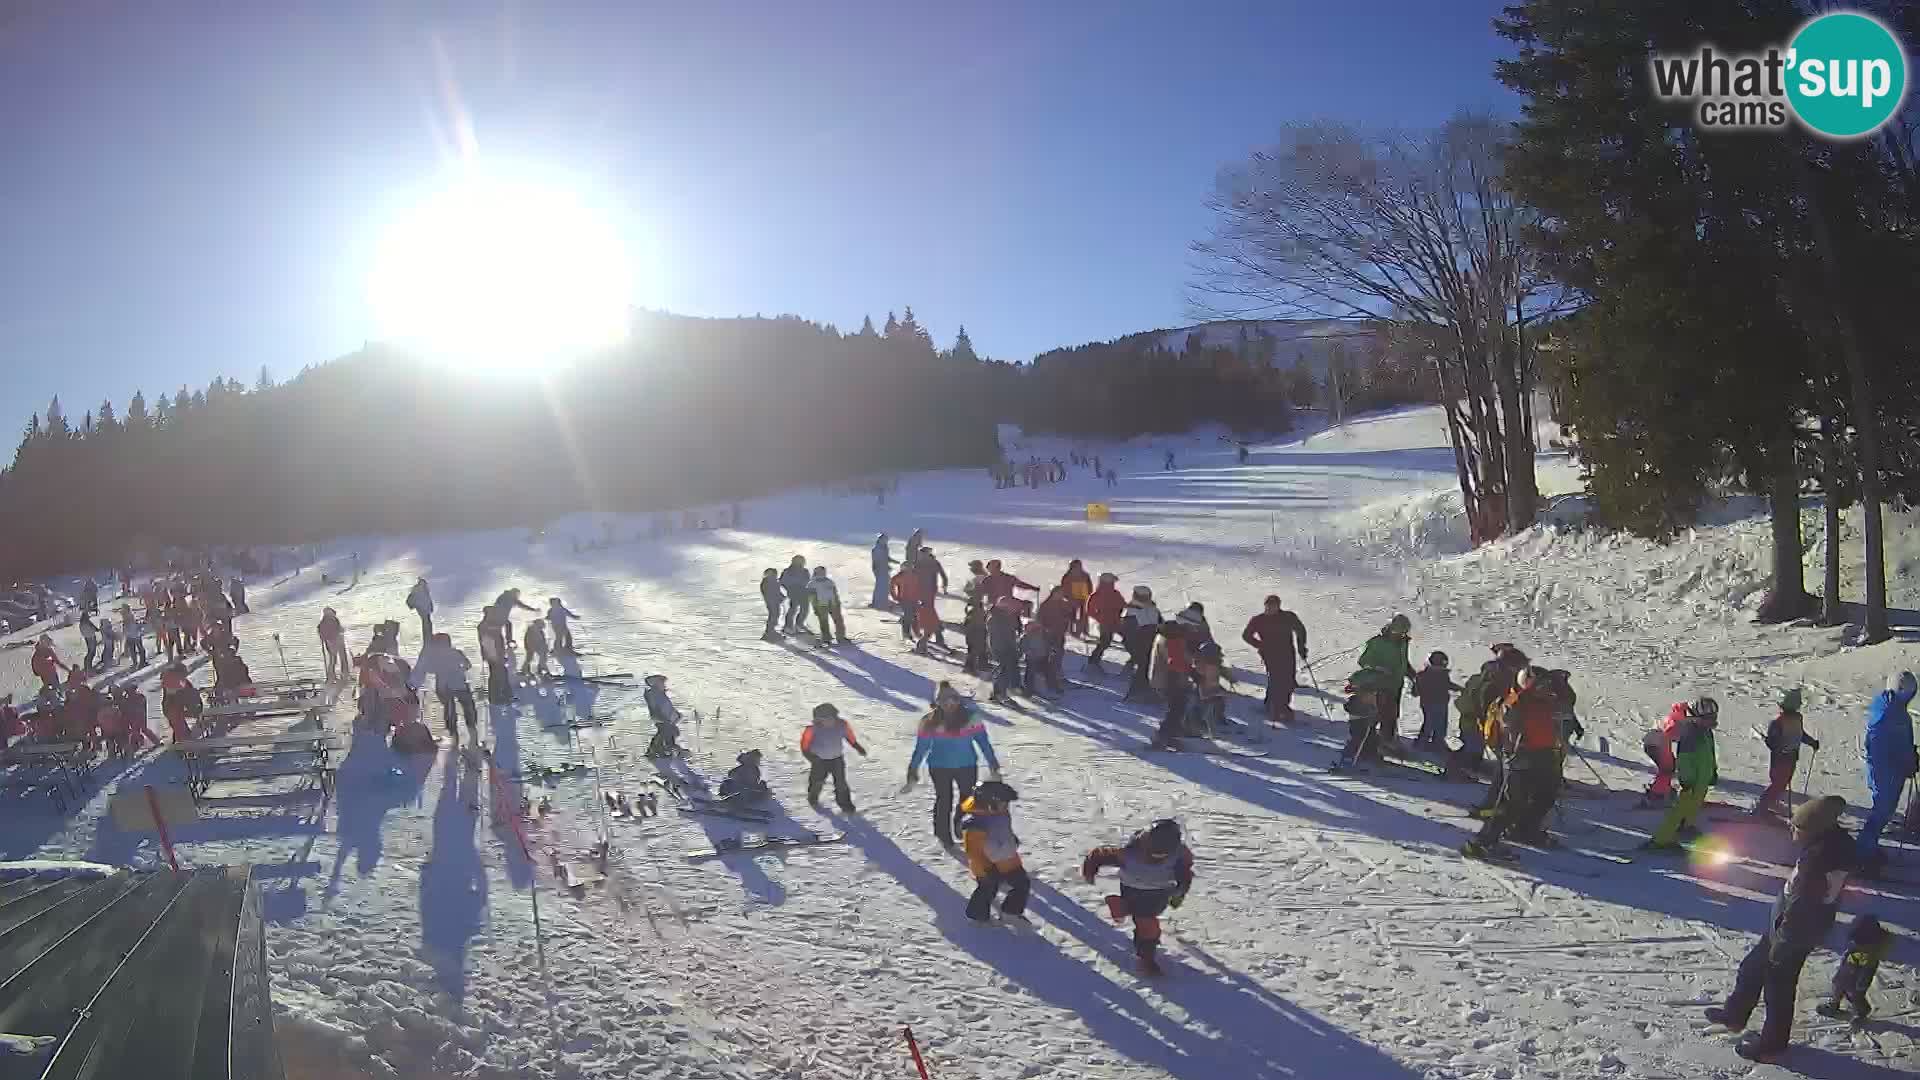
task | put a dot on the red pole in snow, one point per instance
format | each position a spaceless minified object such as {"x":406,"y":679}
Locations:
{"x":166,"y":842}
{"x":914,"y":1049}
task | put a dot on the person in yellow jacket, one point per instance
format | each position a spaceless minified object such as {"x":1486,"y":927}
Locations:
{"x":993,"y":853}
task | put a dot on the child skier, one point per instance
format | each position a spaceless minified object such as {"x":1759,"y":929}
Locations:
{"x":1784,"y":737}
{"x":1034,"y":650}
{"x":1172,"y":675}
{"x":1210,"y":698}
{"x":1156,"y":872}
{"x":993,"y":853}
{"x":1432,"y":685}
{"x":770,"y":595}
{"x":535,"y":643}
{"x":826,"y":604}
{"x":1801,"y":918}
{"x":666,"y":720}
{"x":1696,"y":768}
{"x":333,"y":646}
{"x":1003,"y":638}
{"x":974,"y":627}
{"x":561,"y":620}
{"x":824,"y":744}
{"x":178,"y":699}
{"x":1657,"y":744}
{"x":1867,"y":945}
{"x":744,"y":782}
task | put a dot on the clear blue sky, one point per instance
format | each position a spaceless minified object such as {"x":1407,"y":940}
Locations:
{"x":191,"y":189}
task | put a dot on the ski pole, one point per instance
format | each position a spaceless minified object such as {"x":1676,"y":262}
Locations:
{"x":913,"y":1048}
{"x":284,"y":673}
{"x":1317,"y":692}
{"x":1590,"y":768}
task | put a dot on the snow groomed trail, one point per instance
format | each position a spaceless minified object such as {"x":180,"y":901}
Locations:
{"x":1333,"y":929}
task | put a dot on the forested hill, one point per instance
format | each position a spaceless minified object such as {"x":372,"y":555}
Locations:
{"x":690,"y":410}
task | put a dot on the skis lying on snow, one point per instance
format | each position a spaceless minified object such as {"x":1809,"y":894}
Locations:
{"x":1195,"y":744}
{"x":752,"y":841}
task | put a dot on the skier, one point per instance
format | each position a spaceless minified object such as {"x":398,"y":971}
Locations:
{"x":905,"y":591}
{"x":505,"y":604}
{"x":1003,"y":640}
{"x":493,"y":653}
{"x":178,"y":700}
{"x":1156,"y":873}
{"x":1168,"y":465}
{"x":1079,"y":588}
{"x":824,"y":744}
{"x":561,"y":620}
{"x":976,"y":582}
{"x":826,"y":604}
{"x":1784,"y":737}
{"x":1036,"y":653}
{"x":1523,"y":728}
{"x":1105,"y":607}
{"x":795,"y":580}
{"x":770,"y":595}
{"x":1696,"y":768}
{"x":109,"y":638}
{"x":133,"y":713}
{"x":449,"y":667}
{"x":951,"y":739}
{"x":1384,"y":658}
{"x":1139,"y":623}
{"x":973,"y":627}
{"x":912,"y":550}
{"x":46,"y":663}
{"x":132,"y":634}
{"x":1055,"y":617}
{"x":1432,"y":686}
{"x":1867,"y":944}
{"x":1280,"y":638}
{"x":420,"y":601}
{"x":1194,"y":618}
{"x":1210,"y":698}
{"x":665,"y":717}
{"x":90,"y":634}
{"x":882,"y":570}
{"x":743,"y":782}
{"x":333,"y":645}
{"x":1802,"y":915}
{"x":535,"y":647}
{"x":1657,"y":744}
{"x":999,"y":584}
{"x":933,"y":576}
{"x":993,"y":853}
{"x":1172,"y":675}
{"x":237,"y":593}
{"x":1890,"y":763}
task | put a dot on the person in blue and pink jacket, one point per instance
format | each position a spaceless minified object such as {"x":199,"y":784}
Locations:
{"x":952,"y":739}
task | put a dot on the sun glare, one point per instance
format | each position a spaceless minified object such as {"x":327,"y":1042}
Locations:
{"x":497,"y":277}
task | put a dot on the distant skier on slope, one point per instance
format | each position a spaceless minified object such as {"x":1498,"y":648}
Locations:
{"x":1156,"y":873}
{"x":1801,"y":918}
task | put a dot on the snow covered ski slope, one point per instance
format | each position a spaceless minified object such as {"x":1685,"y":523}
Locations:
{"x":1333,"y":930}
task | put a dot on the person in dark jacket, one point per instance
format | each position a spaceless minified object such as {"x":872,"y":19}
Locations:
{"x":882,"y":571}
{"x":1433,"y":685}
{"x":237,"y":592}
{"x":1139,"y":624}
{"x":770,"y":595}
{"x":504,"y":604}
{"x":797,"y":580}
{"x":1280,"y":638}
{"x":420,"y":600}
{"x":974,"y":626}
{"x":1801,"y":918}
{"x":1867,"y":945}
{"x":1003,"y":641}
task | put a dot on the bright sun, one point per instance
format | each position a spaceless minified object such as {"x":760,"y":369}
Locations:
{"x":501,"y":277}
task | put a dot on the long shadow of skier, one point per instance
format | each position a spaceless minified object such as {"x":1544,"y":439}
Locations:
{"x":372,"y":780}
{"x":453,"y":885}
{"x":1126,"y":1021}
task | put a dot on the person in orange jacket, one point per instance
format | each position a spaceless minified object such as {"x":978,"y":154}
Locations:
{"x":824,"y":744}
{"x":1658,"y":745}
{"x":1105,"y":606}
{"x":1079,"y":588}
{"x":993,"y":853}
{"x":906,"y":590}
{"x":46,"y":663}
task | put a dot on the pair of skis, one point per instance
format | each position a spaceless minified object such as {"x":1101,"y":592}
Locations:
{"x":757,"y":841}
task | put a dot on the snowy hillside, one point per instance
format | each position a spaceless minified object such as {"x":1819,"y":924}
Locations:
{"x":1333,"y":929}
{"x":1289,"y":340}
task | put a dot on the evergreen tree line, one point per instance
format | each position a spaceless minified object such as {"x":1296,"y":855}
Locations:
{"x":1744,"y":323}
{"x":689,"y":411}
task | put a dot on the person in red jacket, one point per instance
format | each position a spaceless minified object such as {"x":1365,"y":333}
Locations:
{"x":1079,"y":588}
{"x":46,"y":663}
{"x":177,"y":696}
{"x":1105,"y":606}
{"x":1000,"y":584}
{"x":1281,"y":640}
{"x":1055,"y":617}
{"x":905,"y":590}
{"x":1156,"y":873}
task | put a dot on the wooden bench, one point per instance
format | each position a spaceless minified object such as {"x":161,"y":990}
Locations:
{"x":276,"y":692}
{"x":214,"y":720}
{"x":257,"y":757}
{"x":63,"y":768}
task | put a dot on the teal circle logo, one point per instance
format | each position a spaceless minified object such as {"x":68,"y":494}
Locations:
{"x":1847,"y":75}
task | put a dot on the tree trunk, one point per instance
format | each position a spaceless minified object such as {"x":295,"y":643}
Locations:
{"x":1521,"y":487}
{"x":1787,"y":600}
{"x":1831,"y":614}
{"x":1469,"y":497}
{"x":1865,"y":419}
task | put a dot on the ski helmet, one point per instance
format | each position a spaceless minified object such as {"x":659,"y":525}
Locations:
{"x":1399,"y":624}
{"x":656,"y":680}
{"x":1902,"y":685}
{"x":995,"y":791}
{"x":1141,"y":592}
{"x":1208,"y":651}
{"x":993,"y":565}
{"x":748,"y":757}
{"x":1108,"y":578}
{"x":1704,"y":708}
{"x":1436,"y":659}
{"x":1163,"y":838}
{"x":1819,"y":815}
{"x":825,"y":711}
{"x":1791,"y":700}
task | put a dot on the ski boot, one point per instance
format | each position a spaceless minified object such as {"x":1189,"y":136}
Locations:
{"x":1719,"y":1015}
{"x":1754,"y":1049}
{"x":1147,"y":964}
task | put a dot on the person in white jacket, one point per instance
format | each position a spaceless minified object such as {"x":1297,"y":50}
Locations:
{"x":449,"y":667}
{"x":826,"y":605}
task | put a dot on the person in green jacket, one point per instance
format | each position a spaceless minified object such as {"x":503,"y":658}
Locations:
{"x":1388,"y":668}
{"x":1695,"y":767}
